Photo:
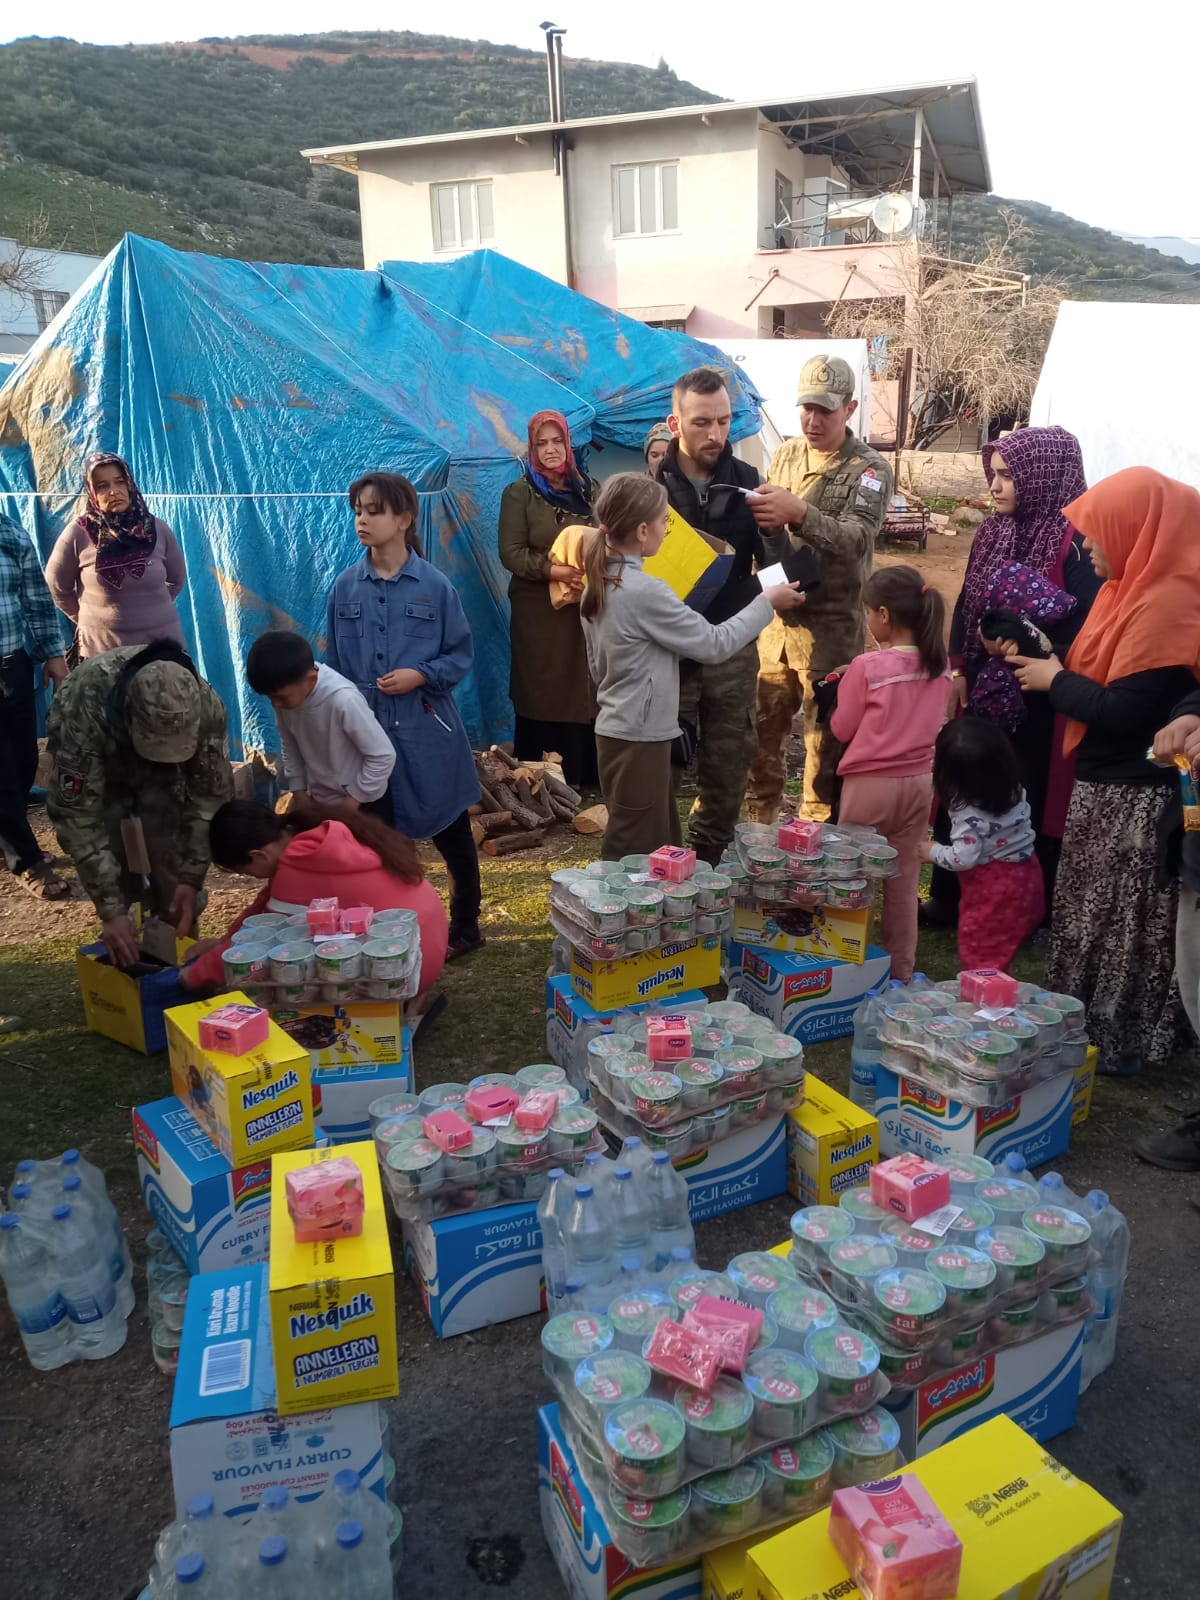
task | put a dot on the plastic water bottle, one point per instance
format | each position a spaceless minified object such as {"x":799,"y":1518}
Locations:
{"x":670,"y":1221}
{"x":273,"y":1577}
{"x":85,"y":1283}
{"x":631,"y":1276}
{"x":1054,"y":1192}
{"x":347,"y":1499}
{"x":598,"y":1170}
{"x":551,"y":1209}
{"x":919,"y":981}
{"x":634,"y":1155}
{"x":683,"y":1259}
{"x":197,"y":1535}
{"x":630,"y":1216}
{"x":357,"y":1570}
{"x":33,"y":1296}
{"x":589,"y":1244}
{"x":1014,"y":1166}
{"x":1106,"y":1282}
{"x":95,"y":1188}
{"x":106,"y":1243}
{"x":866,"y":1050}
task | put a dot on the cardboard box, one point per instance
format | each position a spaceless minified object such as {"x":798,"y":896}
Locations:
{"x":333,"y":1304}
{"x":749,"y":1166}
{"x":342,"y":1094}
{"x":789,"y":930}
{"x":214,"y":1214}
{"x":912,"y":1117}
{"x":650,"y":975}
{"x":478,"y":1268}
{"x":571,"y":1021}
{"x":832,"y":1145}
{"x":349,"y":1035}
{"x":1085,"y":1082}
{"x":227,"y":1438}
{"x":723,"y":1571}
{"x":1030,"y":1530}
{"x":806,"y":997}
{"x":250,"y":1106}
{"x":590,"y":1565}
{"x":129,"y":1010}
{"x":1036,"y":1384}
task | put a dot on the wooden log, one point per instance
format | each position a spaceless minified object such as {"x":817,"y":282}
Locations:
{"x":508,"y":843}
{"x":496,"y":821}
{"x":559,"y":809}
{"x":543,"y":803}
{"x":487,"y":800}
{"x":503,"y":756}
{"x":477,"y":832}
{"x":563,"y":791}
{"x":525,"y":791}
{"x":593,"y":820}
{"x":522,"y":814}
{"x":475,"y":810}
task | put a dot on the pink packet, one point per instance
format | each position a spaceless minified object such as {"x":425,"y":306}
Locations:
{"x":668,"y":1038}
{"x":732,"y":1339}
{"x":535,"y":1110}
{"x":895,"y":1542}
{"x":325,"y":1201}
{"x":800,"y":836}
{"x":988,"y":986}
{"x":909,"y":1186}
{"x":322,"y":916}
{"x":491,"y":1102}
{"x":356,"y":919}
{"x":234,"y":1029}
{"x":671,"y":864}
{"x":680,"y":1352}
{"x":448,"y":1130}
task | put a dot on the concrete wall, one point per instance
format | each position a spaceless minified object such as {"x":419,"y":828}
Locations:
{"x":397,"y":219}
{"x":62,"y":271}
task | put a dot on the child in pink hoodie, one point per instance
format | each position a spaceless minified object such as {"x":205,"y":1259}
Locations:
{"x":891,"y":703}
{"x":356,"y":858}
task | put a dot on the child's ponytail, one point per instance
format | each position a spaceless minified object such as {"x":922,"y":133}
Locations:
{"x":596,"y":575}
{"x":626,"y":501}
{"x":915,"y":605}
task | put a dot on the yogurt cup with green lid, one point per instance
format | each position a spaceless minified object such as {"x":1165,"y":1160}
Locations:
{"x":846,"y":1362}
{"x":709,"y":1040}
{"x":657,"y":1097}
{"x":903,"y":1368}
{"x":973,"y":1217}
{"x":909,"y":1303}
{"x":796,"y":1477}
{"x":572,"y":1131}
{"x":520,"y":1149}
{"x":1064,"y":1233}
{"x":967,"y":1275}
{"x":797,"y":1311}
{"x":690,"y":1286}
{"x":966,"y":1171}
{"x":570,"y":1337}
{"x":858,"y":1205}
{"x":910,"y":1243}
{"x":782,"y":1385}
{"x":1017,"y":1254}
{"x":386,"y":1106}
{"x":854,"y":1262}
{"x":643,"y":905}
{"x":600,"y":1047}
{"x":443,"y":1097}
{"x":644,"y":1447}
{"x":701,"y":1082}
{"x":650,"y":1532}
{"x":960,"y":1344}
{"x":864,"y":1447}
{"x":541,"y":1075}
{"x":742,"y":1069}
{"x":1066,"y":1300}
{"x":413,"y":1169}
{"x":814,"y":1230}
{"x":608,"y":1379}
{"x":1009,"y":1199}
{"x":675,"y":1139}
{"x":634,"y":863}
{"x":783,"y":1056}
{"x":726,"y":1505}
{"x":718,"y":1422}
{"x":473,"y":1161}
{"x":635,"y":1316}
{"x":726,"y":1011}
{"x":744,"y":1030}
{"x":757,"y":1275}
{"x":1016,"y":1322}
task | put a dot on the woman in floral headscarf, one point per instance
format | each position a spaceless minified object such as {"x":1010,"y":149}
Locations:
{"x":116,"y":570}
{"x":1027,"y":558}
{"x":550,"y":686}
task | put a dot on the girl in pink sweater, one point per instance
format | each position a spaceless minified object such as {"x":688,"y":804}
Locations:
{"x":890,"y":704}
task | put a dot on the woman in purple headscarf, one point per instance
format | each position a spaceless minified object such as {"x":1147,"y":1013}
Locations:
{"x":117,"y":569}
{"x":1026,"y":557}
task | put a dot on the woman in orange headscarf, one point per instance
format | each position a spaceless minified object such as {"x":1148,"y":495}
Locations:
{"x":550,"y":686}
{"x":1137,"y":655}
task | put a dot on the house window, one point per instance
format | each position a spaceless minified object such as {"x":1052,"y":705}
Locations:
{"x":462,"y":215}
{"x":47,"y":303}
{"x":646,"y":199}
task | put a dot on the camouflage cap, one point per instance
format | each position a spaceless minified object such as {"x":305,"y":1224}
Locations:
{"x":163,"y":706}
{"x":826,"y":381}
{"x":660,"y":433}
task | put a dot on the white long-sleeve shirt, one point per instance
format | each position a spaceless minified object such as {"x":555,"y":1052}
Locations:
{"x":332,"y":744}
{"x":976,"y":837}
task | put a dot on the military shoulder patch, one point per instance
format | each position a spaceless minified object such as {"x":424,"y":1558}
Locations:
{"x":70,"y":784}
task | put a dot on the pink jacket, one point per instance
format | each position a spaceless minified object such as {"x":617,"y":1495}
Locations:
{"x":888,"y":714}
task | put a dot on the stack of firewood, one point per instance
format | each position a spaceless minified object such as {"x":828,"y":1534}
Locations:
{"x":520,"y":800}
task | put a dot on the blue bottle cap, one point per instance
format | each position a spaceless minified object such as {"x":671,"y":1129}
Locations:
{"x":10,"y":1219}
{"x":622,"y":1173}
{"x":349,"y":1534}
{"x":346,"y":1481}
{"x":189,"y":1568}
{"x":200,"y":1506}
{"x":1097,"y":1199}
{"x":555,"y":1174}
{"x":21,"y":1191}
{"x":272,"y":1550}
{"x":71,"y":1182}
{"x":60,"y":1212}
{"x":660,"y":1158}
{"x":583,"y":1192}
{"x":274,"y":1497}
{"x":69,"y":1158}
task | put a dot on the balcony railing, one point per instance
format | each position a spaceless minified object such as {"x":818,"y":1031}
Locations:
{"x":812,"y":222}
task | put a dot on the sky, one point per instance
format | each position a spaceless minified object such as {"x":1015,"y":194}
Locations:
{"x":1085,"y":108}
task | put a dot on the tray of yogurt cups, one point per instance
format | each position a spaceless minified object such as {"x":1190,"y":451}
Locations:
{"x":666,"y":1070}
{"x":1004,"y":1266}
{"x":778,"y":1486}
{"x":299,"y":958}
{"x":808,"y":864}
{"x":459,"y":1147}
{"x":982,"y":1052}
{"x":707,"y":1372}
{"x":612,"y":909}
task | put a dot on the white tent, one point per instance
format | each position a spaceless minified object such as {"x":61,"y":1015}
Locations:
{"x":1124,"y":378}
{"x":774,"y":367}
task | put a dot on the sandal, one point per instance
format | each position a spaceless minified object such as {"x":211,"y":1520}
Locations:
{"x":43,"y":883}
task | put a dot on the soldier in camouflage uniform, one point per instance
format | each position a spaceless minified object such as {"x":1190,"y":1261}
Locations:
{"x":832,"y":491}
{"x":136,"y":732}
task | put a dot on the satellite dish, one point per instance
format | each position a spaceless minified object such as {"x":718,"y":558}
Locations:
{"x":892,"y":214}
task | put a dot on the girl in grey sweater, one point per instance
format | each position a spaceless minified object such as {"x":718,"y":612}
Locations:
{"x":636,"y":630}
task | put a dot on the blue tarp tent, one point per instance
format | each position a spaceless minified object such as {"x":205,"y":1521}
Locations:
{"x":246,"y":398}
{"x":622,"y":368}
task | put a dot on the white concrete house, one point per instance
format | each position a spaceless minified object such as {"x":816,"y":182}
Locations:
{"x":55,"y":276}
{"x":728,"y":220}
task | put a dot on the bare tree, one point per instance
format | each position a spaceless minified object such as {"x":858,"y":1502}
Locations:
{"x":25,"y":268}
{"x":977,"y":330}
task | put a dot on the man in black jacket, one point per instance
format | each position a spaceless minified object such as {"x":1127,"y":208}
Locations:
{"x":704,"y":483}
